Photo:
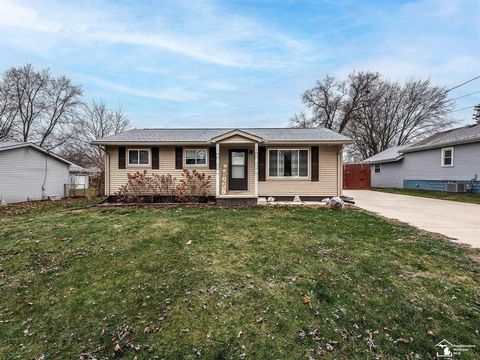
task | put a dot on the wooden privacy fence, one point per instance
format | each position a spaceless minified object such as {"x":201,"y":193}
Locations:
{"x":356,"y":176}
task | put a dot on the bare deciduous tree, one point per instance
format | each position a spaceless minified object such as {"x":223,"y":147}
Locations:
{"x":45,"y":106}
{"x":7,"y":112}
{"x":376,"y":113}
{"x":476,"y":114}
{"x":95,"y":121}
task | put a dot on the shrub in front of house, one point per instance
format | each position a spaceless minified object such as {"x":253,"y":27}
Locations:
{"x":144,"y":188}
{"x":194,"y":186}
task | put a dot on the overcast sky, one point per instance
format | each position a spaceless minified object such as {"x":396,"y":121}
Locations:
{"x":238,"y":63}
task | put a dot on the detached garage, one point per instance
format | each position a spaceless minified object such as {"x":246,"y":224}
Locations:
{"x":29,"y":172}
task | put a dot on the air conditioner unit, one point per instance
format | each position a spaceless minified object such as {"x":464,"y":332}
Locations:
{"x":464,"y":187}
{"x":451,"y":187}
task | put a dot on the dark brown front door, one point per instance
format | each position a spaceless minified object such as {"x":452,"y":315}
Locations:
{"x":238,"y":170}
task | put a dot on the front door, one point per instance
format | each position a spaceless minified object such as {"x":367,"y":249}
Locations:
{"x":238,"y":170}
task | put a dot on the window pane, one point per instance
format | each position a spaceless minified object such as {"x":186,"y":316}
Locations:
{"x":238,"y":158}
{"x":143,"y":157}
{"x":303,"y":163}
{"x":281,"y":163}
{"x":190,"y":157}
{"x":201,"y":157}
{"x":238,"y":171}
{"x":272,"y":166}
{"x":447,"y":161}
{"x":294,"y":162}
{"x":133,"y":157}
{"x":447,"y":153}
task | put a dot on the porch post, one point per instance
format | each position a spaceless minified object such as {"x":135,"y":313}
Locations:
{"x":256,"y":169}
{"x":217,"y":170}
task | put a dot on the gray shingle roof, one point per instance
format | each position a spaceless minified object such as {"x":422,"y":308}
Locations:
{"x":11,"y":145}
{"x":464,"y":134}
{"x":205,"y":135}
{"x":390,"y":155}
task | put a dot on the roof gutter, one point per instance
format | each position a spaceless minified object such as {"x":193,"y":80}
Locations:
{"x":437,"y":146}
{"x":276,"y":142}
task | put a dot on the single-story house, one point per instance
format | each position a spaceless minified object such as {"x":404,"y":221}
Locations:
{"x":28,"y":172}
{"x":446,"y":161}
{"x":244,"y":164}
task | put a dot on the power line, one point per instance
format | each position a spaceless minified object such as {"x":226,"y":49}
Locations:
{"x":473,"y":93}
{"x":466,"y":82}
{"x":465,"y":108}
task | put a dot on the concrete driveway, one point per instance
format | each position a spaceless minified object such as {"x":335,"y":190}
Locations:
{"x":457,"y":220}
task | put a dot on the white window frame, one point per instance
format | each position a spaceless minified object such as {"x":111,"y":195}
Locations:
{"x":281,"y":177}
{"x":379,"y":169}
{"x":195,"y":165}
{"x":139,"y":165}
{"x":443,"y":157}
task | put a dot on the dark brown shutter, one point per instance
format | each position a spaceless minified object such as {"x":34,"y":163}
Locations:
{"x":262,"y":152}
{"x":314,"y":163}
{"x":212,"y":157}
{"x":121,"y":157}
{"x":155,"y":158}
{"x":178,"y":158}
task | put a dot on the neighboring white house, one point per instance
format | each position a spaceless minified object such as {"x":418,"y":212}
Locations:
{"x":446,"y":161}
{"x":29,"y":172}
{"x":80,"y":177}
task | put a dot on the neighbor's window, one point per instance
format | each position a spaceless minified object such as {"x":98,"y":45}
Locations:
{"x":447,"y":157}
{"x":138,"y":157}
{"x":378,"y":168}
{"x":195,"y":157}
{"x":288,"y":163}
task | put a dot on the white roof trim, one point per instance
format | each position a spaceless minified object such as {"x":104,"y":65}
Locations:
{"x":236,"y":132}
{"x":36,"y":147}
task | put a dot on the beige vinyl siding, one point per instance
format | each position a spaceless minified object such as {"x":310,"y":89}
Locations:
{"x":118,"y":177}
{"x":327,"y":185}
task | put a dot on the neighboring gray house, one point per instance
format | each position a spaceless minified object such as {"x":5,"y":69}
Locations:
{"x":446,"y":161}
{"x":29,"y":172}
{"x":387,"y":168}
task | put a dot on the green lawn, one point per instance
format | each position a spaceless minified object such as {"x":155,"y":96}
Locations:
{"x":219,"y":283}
{"x":468,"y":198}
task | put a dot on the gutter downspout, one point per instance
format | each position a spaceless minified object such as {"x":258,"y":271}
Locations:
{"x":45,"y":175}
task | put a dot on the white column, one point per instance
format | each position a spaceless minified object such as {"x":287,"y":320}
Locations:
{"x":217,"y":169}
{"x":256,"y":169}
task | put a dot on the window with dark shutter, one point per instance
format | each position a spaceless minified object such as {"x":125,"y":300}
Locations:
{"x":121,"y":157}
{"x":155,"y":158}
{"x":212,"y":158}
{"x":261,"y":163}
{"x":314,"y":163}
{"x":178,"y":158}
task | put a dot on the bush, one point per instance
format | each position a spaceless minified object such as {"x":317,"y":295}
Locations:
{"x":193,"y":186}
{"x":141,"y":187}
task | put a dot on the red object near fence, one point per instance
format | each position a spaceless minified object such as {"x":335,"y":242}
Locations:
{"x":356,"y":176}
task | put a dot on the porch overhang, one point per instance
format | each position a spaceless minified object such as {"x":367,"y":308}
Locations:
{"x":236,"y":132}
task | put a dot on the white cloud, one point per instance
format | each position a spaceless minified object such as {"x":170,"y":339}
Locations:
{"x":222,"y":86}
{"x":217,"y":38}
{"x":171,"y":94}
